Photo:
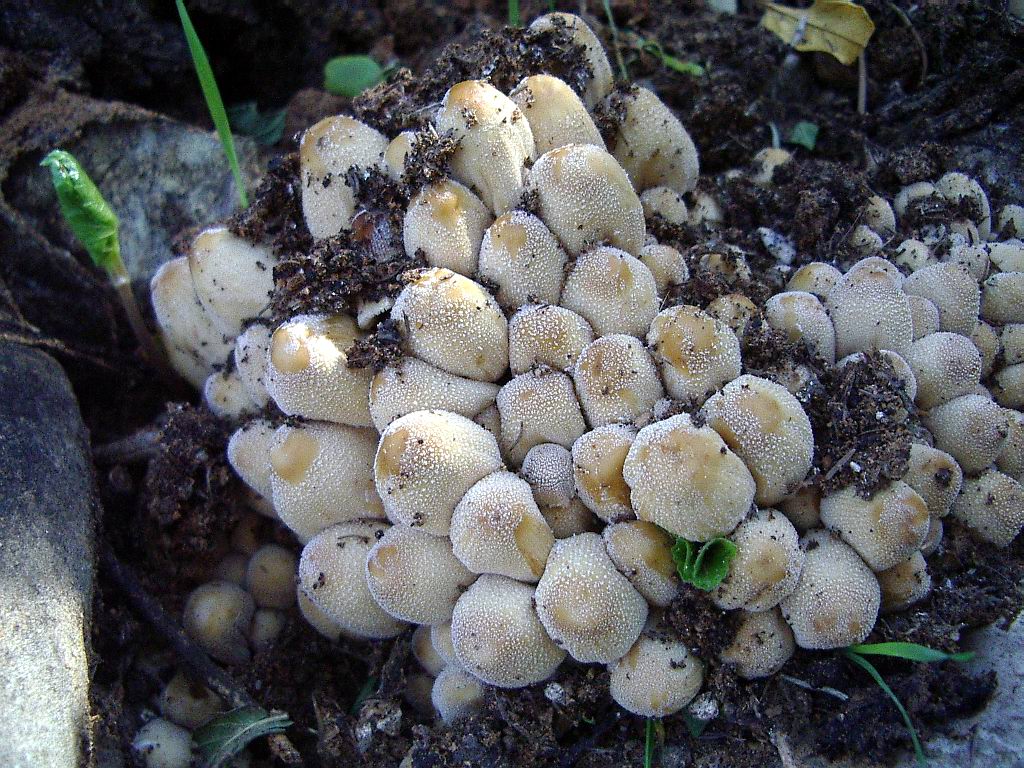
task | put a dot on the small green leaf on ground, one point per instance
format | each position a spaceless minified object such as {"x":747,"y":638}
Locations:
{"x":263,"y":127}
{"x":910,"y":651}
{"x":705,"y":565}
{"x":364,"y":693}
{"x":653,"y":47}
{"x":694,"y":725}
{"x":351,"y":75}
{"x":805,"y":134}
{"x":223,"y":738}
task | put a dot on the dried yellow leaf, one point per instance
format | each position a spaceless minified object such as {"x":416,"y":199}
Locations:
{"x":837,"y":27}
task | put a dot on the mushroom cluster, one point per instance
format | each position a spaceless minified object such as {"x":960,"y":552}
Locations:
{"x":513,"y":485}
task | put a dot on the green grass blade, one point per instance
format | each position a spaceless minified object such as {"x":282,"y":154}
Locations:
{"x":213,"y":101}
{"x":623,"y":70}
{"x":870,"y":669}
{"x":223,"y":738}
{"x":513,"y":14}
{"x":911,"y":652}
{"x":649,"y":743}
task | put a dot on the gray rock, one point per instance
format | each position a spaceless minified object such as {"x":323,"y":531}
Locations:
{"x":46,"y":565}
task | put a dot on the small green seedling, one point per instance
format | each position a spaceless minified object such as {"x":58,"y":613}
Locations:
{"x":96,"y":227}
{"x":368,"y":689}
{"x":805,"y":134}
{"x":623,"y":70}
{"x":211,"y":93}
{"x":351,"y":75}
{"x":911,"y":652}
{"x":705,"y":565}
{"x":265,"y":128}
{"x":649,"y":743}
{"x":513,"y":14}
{"x":223,"y":738}
{"x":653,"y":47}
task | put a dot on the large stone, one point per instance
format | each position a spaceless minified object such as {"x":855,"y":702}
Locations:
{"x":47,"y":506}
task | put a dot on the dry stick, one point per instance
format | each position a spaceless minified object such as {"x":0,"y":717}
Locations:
{"x":862,"y":84}
{"x":191,"y":655}
{"x":917,"y":39}
{"x":134,"y":448}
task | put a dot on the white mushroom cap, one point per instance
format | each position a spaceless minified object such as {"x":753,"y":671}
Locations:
{"x":836,"y":601}
{"x":413,"y":385}
{"x":556,"y":114}
{"x":767,"y":563}
{"x":914,"y":255}
{"x":697,"y":353}
{"x":543,"y":334}
{"x":267,"y":625}
{"x":327,"y":151}
{"x":803,"y":508}
{"x":1008,"y":386}
{"x":1011,"y":340}
{"x":1011,"y":459}
{"x":616,"y":380}
{"x":989,"y":345}
{"x":588,"y":607}
{"x":226,"y":396}
{"x":991,"y":505}
{"x":523,"y":259}
{"x":249,"y":455}
{"x":869,"y":311}
{"x":614,"y":291}
{"x":308,"y":373}
{"x":1010,"y":222}
{"x":270,"y":577}
{"x":441,"y":639}
{"x":425,"y":463}
{"x":801,"y":316}
{"x":816,"y":277}
{"x":585,"y":198}
{"x":1002,"y":298}
{"x":217,"y":615}
{"x":233,"y":278}
{"x":878,"y":214}
{"x":162,"y":744}
{"x":415,"y":576}
{"x":767,"y":428}
{"x":865,"y":241}
{"x":936,"y":477}
{"x":571,"y":520}
{"x":904,"y":584}
{"x":762,"y":645}
{"x":453,"y":323}
{"x":188,"y":703}
{"x":885,"y":529}
{"x":396,"y":152}
{"x":643,"y":554}
{"x":765,"y":162}
{"x":538,"y":407}
{"x":1008,"y":256}
{"x":958,"y":186}
{"x":446,"y":222}
{"x":970,"y":255}
{"x":910,"y":193}
{"x":495,"y":142}
{"x":657,"y":677}
{"x":548,"y":469}
{"x":323,"y":474}
{"x":652,"y":145}
{"x":666,"y":203}
{"x":934,"y":537}
{"x":456,"y":695}
{"x":324,"y":625}
{"x":193,"y":342}
{"x":924,"y":315}
{"x":685,"y":479}
{"x":252,"y":349}
{"x":706,"y":210}
{"x":953,"y":290}
{"x":497,"y":637}
{"x":666,"y":264}
{"x":597,"y":462}
{"x":497,"y":528}
{"x":601,"y":80}
{"x":424,"y":652}
{"x":735,"y":310}
{"x":971,"y":428}
{"x":945,"y":365}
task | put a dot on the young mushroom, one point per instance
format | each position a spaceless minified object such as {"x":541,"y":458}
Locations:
{"x":270,"y":577}
{"x":697,"y":354}
{"x":762,"y":645}
{"x":992,"y":506}
{"x":601,"y":79}
{"x":521,"y":257}
{"x":548,"y":469}
{"x":162,"y":744}
{"x":543,"y":334}
{"x":614,"y":291}
{"x":556,"y":114}
{"x":643,"y":554}
{"x":904,"y":584}
{"x":456,"y":694}
{"x":597,"y":461}
{"x":538,"y":407}
{"x":616,"y":381}
{"x":217,"y":616}
{"x":657,"y":677}
{"x":971,"y":428}
{"x":233,"y":279}
{"x":767,"y":564}
{"x":445,"y":222}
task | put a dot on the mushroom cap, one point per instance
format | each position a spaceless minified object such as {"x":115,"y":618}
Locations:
{"x":957,"y":186}
{"x":332,"y":574}
{"x":885,"y":529}
{"x":666,"y":203}
{"x":588,"y":607}
{"x":864,"y":240}
{"x":597,"y":463}
{"x":249,"y":455}
{"x":585,"y":198}
{"x":643,"y":554}
{"x":308,"y":373}
{"x":397,"y":150}
{"x":601,"y":78}
{"x":497,"y":636}
{"x":1007,"y":256}
{"x":657,"y":677}
{"x":815,"y":277}
{"x":989,"y":345}
{"x":252,"y":348}
{"x":954,"y":292}
{"x":945,"y":365}
{"x":1011,"y":340}
{"x":217,"y":615}
{"x":767,"y":428}
{"x":1002,"y":298}
{"x":836,"y":600}
{"x":913,"y":255}
{"x":425,"y":463}
{"x":974,"y":257}
{"x":446,"y":223}
{"x":971,"y":428}
{"x":803,"y":508}
{"x":1010,"y":222}
{"x":616,"y":380}
{"x":801,"y":316}
{"x":414,"y":576}
{"x":992,"y":506}
{"x":162,"y":744}
{"x":934,"y":537}
{"x":762,"y":645}
{"x":765,"y":162}
{"x":869,"y":311}
{"x":523,"y":259}
{"x":667,"y":265}
{"x":767,"y":563}
{"x":697,"y":354}
{"x":497,"y":528}
{"x":910,"y":193}
{"x":548,"y":469}
{"x":1011,"y":458}
{"x":453,"y":323}
{"x":904,"y":584}
{"x":324,"y":625}
{"x":924,"y":315}
{"x":878,"y":214}
{"x":543,"y":334}
{"x":424,"y":651}
{"x":232,"y":277}
{"x":685,"y":479}
{"x":270,"y":577}
{"x":1008,"y":386}
{"x":188,"y":703}
{"x":557,"y":116}
{"x":614,"y":291}
{"x":456,"y":694}
{"x":936,"y":477}
{"x":538,"y":407}
{"x":323,"y":474}
{"x":735,"y":310}
{"x":267,"y":625}
{"x":730,"y":265}
{"x":570,"y":520}
{"x":441,"y":639}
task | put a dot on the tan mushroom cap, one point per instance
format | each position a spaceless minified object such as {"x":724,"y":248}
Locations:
{"x":226,"y":396}
{"x":441,"y":639}
{"x":869,"y":311}
{"x":614,"y":291}
{"x":767,"y":563}
{"x":991,"y":505}
{"x":865,"y":241}
{"x":957,"y":186}
{"x":396,"y":152}
{"x":762,"y":645}
{"x":971,"y":428}
{"x":816,"y":277}
{"x":556,"y":114}
{"x":616,"y":380}
{"x":588,"y":607}
{"x":697,"y":354}
{"x":324,"y":625}
{"x":878,"y":214}
{"x":735,"y":310}
{"x":836,"y":601}
{"x":706,"y":210}
{"x":494,"y":142}
{"x":946,"y":365}
{"x":1011,"y":458}
{"x":523,"y":259}
{"x":413,"y":385}
{"x":548,"y":469}
{"x":538,"y":407}
{"x":217,"y":615}
{"x":322,"y":474}
{"x":1002,"y":298}
{"x":585,"y":198}
{"x":497,"y":636}
{"x":445,"y":222}
{"x":953,"y":290}
{"x":270,"y":577}
{"x":252,"y":348}
{"x":456,"y":695}
{"x":914,"y":255}
{"x":414,"y":576}
{"x":1008,"y":256}
{"x":802,"y":317}
{"x":571,"y":520}
{"x":685,"y":479}
{"x":934,"y":538}
{"x":767,"y":427}
{"x":249,"y":455}
{"x":985,"y":338}
{"x":667,"y":265}
{"x":730,"y":265}
{"x":424,"y":652}
{"x":497,"y":528}
{"x":1008,"y":386}
{"x":904,"y":584}
{"x":425,"y":463}
{"x":543,"y":334}
{"x":936,"y":477}
{"x":765,"y":162}
{"x":803,"y":508}
{"x":597,"y":463}
{"x":454,"y":323}
{"x":308,"y":373}
{"x":924,"y":315}
{"x":643,"y":554}
{"x":601,"y":78}
{"x":666,"y":203}
{"x":657,"y":677}
{"x":188,"y":703}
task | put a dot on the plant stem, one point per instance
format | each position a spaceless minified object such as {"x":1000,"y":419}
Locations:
{"x":152,"y":352}
{"x":513,"y":14}
{"x":623,"y":71}
{"x":649,"y":743}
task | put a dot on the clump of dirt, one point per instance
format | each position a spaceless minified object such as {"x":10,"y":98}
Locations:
{"x":705,"y":628}
{"x":275,"y":215}
{"x":378,"y":350}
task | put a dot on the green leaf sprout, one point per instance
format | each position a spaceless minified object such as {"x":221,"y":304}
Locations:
{"x":653,"y":47}
{"x":223,"y":738}
{"x":351,"y":75}
{"x":705,"y":565}
{"x":805,"y":134}
{"x":513,"y":14}
{"x":649,"y":742}
{"x":265,"y":128}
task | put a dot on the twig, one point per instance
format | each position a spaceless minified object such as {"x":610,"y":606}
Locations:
{"x":137,"y":447}
{"x":836,"y":694}
{"x":862,"y":84}
{"x":54,"y":345}
{"x":781,"y":743}
{"x":917,"y":39}
{"x":191,"y":655}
